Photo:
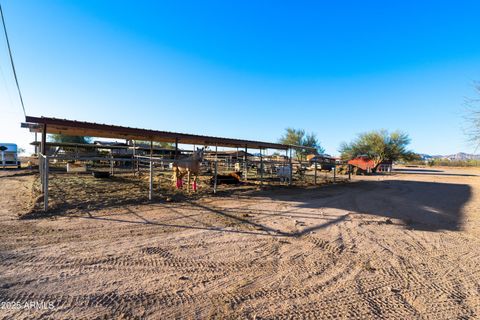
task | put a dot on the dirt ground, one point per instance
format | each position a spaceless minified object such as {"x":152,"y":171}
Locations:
{"x":405,"y":246}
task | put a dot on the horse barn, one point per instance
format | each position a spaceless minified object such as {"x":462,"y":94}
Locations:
{"x":214,"y":161}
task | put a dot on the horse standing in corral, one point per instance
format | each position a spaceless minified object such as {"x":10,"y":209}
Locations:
{"x":188,"y":167}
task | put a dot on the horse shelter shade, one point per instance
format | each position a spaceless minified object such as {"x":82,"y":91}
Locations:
{"x":46,"y":125}
{"x":91,"y":129}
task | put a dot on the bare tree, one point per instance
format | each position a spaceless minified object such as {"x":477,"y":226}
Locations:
{"x":472,"y":117}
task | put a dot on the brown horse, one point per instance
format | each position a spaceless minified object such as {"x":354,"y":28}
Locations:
{"x":187,"y":167}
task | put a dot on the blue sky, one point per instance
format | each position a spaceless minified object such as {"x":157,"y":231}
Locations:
{"x":246,"y":69}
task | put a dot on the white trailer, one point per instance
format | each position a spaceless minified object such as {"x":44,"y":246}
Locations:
{"x":9,"y":156}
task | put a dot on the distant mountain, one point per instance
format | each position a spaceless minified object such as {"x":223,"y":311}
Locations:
{"x":462,"y":156}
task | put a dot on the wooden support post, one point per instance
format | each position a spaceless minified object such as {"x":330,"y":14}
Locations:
{"x":334,"y":174}
{"x":150,"y":191}
{"x":349,"y":172}
{"x":315,"y":179}
{"x":215,"y":173}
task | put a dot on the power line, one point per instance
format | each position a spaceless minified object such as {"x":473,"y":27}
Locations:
{"x":5,"y":83}
{"x":11,"y":61}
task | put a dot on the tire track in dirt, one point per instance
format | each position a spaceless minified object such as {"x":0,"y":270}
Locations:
{"x":419,"y":274}
{"x":357,"y":267}
{"x":112,"y":301}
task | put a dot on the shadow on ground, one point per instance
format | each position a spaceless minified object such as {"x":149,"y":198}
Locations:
{"x":418,"y":205}
{"x":432,"y":172}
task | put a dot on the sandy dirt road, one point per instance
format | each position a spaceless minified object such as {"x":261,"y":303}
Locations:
{"x":405,"y":246}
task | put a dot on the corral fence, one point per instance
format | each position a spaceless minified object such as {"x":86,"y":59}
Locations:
{"x":260,"y":168}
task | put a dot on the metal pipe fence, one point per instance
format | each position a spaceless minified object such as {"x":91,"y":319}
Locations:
{"x":262,"y":169}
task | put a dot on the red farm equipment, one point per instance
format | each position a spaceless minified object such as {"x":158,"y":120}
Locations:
{"x":364,"y":164}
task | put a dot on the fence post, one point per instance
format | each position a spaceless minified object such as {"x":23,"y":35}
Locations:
{"x":315,"y":180}
{"x":334,"y":173}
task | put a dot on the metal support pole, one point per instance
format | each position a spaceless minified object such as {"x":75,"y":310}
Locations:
{"x":261,"y":167}
{"x":215,"y":173}
{"x":150,"y":191}
{"x":245,"y":167}
{"x":236,"y":160}
{"x":44,"y":140}
{"x":176,"y":148}
{"x":315,"y":180}
{"x":133,"y":157}
{"x":40,"y":169}
{"x":291,"y":168}
{"x":138,"y":164}
{"x":111,"y":164}
{"x":36,"y":146}
{"x":40,"y":158}
{"x":45,"y":185}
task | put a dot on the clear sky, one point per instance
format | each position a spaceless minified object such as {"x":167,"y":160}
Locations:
{"x":246,"y":69}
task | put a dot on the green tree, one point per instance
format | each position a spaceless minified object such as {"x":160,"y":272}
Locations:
{"x":163,"y":145}
{"x":61,"y":138}
{"x":379,"y":145}
{"x":293,"y":136}
{"x":299,"y":137}
{"x":310,"y":140}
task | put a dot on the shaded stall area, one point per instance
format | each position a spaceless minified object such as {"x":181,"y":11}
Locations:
{"x":221,"y":160}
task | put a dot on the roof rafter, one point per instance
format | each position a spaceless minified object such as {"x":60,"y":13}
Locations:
{"x":82,"y":128}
